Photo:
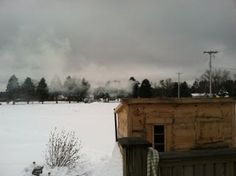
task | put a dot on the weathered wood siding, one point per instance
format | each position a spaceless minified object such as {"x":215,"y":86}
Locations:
{"x":134,"y":155}
{"x":234,"y":125}
{"x":199,"y":163}
{"x":187,"y":125}
{"x":123,"y":122}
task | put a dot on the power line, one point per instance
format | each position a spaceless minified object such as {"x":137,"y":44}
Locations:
{"x":230,"y":68}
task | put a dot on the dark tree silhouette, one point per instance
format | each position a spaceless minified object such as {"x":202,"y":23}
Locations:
{"x":185,"y":90}
{"x":85,"y":88}
{"x":3,"y":97}
{"x":13,"y":88}
{"x":42,"y":90}
{"x":145,"y":89}
{"x":134,"y":86}
{"x":195,"y":87}
{"x":82,"y":89}
{"x":174,"y":91}
{"x":28,"y":89}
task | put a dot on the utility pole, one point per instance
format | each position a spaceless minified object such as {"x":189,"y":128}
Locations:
{"x":211,"y":53}
{"x":179,"y":84}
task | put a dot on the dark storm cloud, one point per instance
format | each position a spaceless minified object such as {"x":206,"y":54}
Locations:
{"x":110,"y":39}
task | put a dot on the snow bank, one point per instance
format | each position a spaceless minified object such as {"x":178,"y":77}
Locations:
{"x":24,"y":132}
{"x":62,"y":171}
{"x":112,"y":166}
{"x":108,"y":166}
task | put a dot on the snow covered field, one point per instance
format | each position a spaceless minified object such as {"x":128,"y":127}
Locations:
{"x":24,"y":131}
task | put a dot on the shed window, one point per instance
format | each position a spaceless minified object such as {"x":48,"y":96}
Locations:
{"x":159,"y":138}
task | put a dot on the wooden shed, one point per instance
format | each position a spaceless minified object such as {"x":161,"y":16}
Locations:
{"x":179,"y":124}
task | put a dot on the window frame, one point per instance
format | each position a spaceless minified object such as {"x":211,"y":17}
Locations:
{"x":164,"y":136}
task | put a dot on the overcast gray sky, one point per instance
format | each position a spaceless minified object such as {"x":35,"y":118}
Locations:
{"x":115,"y":39}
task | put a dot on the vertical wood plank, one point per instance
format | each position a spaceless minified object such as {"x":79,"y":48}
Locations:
{"x":199,"y":170}
{"x":166,"y":171}
{"x":177,"y":171}
{"x":229,"y":169}
{"x":209,"y":169}
{"x":137,"y":161}
{"x":219,"y":169}
{"x":234,"y":168}
{"x":188,"y":171}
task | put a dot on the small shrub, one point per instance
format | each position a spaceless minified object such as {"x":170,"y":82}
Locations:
{"x":63,"y":149}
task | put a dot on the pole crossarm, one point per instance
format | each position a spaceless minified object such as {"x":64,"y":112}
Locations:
{"x":210,"y":52}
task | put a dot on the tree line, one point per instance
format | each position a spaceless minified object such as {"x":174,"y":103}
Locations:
{"x":223,"y":85}
{"x":74,"y":89}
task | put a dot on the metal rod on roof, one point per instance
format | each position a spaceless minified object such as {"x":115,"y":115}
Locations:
{"x":115,"y":118}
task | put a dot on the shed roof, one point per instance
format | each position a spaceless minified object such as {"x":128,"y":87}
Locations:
{"x":127,"y":142}
{"x":130,"y":101}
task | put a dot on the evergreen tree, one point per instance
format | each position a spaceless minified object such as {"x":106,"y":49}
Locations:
{"x":82,"y":89}
{"x":174,"y":91}
{"x":170,"y":89}
{"x":42,"y":90}
{"x":145,"y":89}
{"x":203,"y":86}
{"x":234,"y":89}
{"x":13,"y":88}
{"x":28,"y":89}
{"x":184,"y":90}
{"x":85,"y":88}
{"x":195,"y":87}
{"x":134,"y":87}
{"x":157,"y":91}
{"x":3,"y":97}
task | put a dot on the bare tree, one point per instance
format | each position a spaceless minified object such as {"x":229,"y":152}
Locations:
{"x":63,"y":149}
{"x":219,"y":76}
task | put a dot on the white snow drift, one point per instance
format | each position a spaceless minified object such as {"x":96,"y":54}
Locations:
{"x":24,"y":132}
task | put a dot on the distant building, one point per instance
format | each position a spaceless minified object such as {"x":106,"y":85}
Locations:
{"x":199,"y":95}
{"x":179,"y":124}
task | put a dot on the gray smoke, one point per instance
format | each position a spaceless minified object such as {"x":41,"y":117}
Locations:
{"x":109,"y":39}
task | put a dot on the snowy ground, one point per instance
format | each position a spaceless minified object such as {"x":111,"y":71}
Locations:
{"x":24,"y":131}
